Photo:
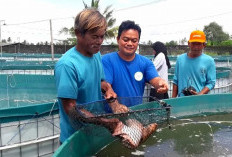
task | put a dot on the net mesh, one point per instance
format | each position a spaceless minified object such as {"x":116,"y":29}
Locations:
{"x":158,"y":111}
{"x":136,"y":124}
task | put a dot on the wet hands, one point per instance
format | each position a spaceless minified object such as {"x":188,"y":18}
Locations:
{"x":162,"y":87}
{"x":194,"y":92}
{"x":109,"y":92}
{"x":132,"y":133}
{"x":118,"y":108}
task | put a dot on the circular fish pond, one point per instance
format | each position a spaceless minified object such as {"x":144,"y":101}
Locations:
{"x":201,"y":126}
{"x":196,"y":136}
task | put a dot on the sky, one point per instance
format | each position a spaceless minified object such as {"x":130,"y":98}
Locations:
{"x":160,"y":20}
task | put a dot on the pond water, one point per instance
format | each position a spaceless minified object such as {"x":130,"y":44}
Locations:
{"x":202,"y":136}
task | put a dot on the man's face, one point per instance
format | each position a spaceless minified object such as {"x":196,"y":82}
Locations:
{"x":196,"y":47}
{"x":90,"y":43}
{"x":128,"y":42}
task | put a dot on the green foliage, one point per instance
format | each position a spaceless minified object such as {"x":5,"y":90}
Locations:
{"x":4,"y":41}
{"x":216,"y":53}
{"x":183,"y":41}
{"x":71,"y":32}
{"x":9,"y":40}
{"x":177,"y":52}
{"x":171,"y":43}
{"x":111,"y":31}
{"x":114,"y":44}
{"x":71,"y":41}
{"x":149,"y":42}
{"x":211,"y":53}
{"x":226,"y":43}
{"x":214,"y":34}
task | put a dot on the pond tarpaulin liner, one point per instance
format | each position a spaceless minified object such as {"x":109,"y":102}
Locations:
{"x":81,"y":144}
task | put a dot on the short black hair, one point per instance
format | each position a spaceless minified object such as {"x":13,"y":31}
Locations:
{"x":126,"y":25}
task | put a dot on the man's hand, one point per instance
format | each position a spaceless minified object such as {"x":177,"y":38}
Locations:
{"x":162,"y":87}
{"x":205,"y":90}
{"x":109,"y":92}
{"x":117,"y":107}
{"x":160,"y":84}
{"x":193,"y":92}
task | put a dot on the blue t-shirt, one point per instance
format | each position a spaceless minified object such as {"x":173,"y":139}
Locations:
{"x":197,"y":72}
{"x":77,"y":77}
{"x":128,"y":78}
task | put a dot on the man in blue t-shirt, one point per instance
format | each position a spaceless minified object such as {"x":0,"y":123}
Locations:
{"x":195,"y":72}
{"x":128,"y":72}
{"x":79,"y":74}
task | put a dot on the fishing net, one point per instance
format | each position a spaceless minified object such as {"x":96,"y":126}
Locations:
{"x":132,"y":125}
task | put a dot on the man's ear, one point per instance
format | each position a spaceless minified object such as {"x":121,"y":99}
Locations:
{"x":77,"y":33}
{"x":118,"y":38}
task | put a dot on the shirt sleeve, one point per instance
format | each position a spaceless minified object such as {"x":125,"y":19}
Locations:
{"x":108,"y":70}
{"x":151,"y":71}
{"x":66,"y":82}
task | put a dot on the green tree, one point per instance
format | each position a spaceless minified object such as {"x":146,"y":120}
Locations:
{"x":25,"y":42}
{"x":149,"y":42}
{"x":171,"y":43}
{"x":215,"y":34}
{"x":226,"y":43}
{"x":183,"y":41}
{"x":9,"y":40}
{"x":69,"y":31}
{"x":111,"y":31}
{"x":3,"y":40}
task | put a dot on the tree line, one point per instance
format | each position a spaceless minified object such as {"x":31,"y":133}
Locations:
{"x":215,"y":35}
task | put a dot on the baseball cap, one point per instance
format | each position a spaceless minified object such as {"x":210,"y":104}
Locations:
{"x":197,"y":36}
